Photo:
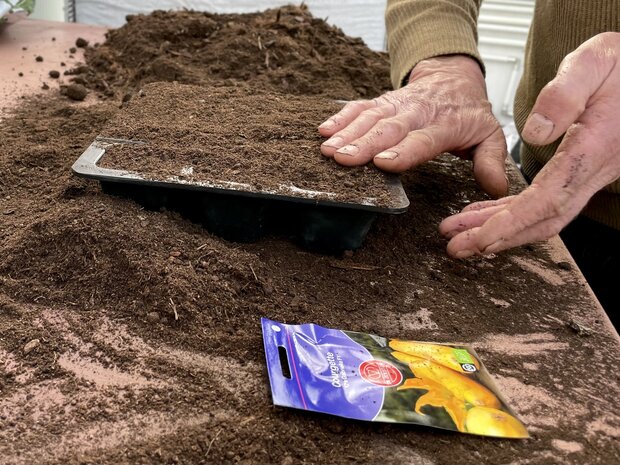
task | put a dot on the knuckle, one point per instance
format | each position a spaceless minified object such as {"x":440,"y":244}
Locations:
{"x":356,"y":106}
{"x":519,"y":221}
{"x":372,"y":113}
{"x":392,"y":127}
{"x":557,"y":206}
{"x":486,"y":106}
{"x":586,"y":56}
{"x":492,"y":122}
{"x":424,"y":138}
{"x":559,"y":95}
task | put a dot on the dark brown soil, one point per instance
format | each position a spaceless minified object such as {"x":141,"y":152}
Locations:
{"x":283,"y":49}
{"x":149,"y":347}
{"x":76,"y":92}
{"x":266,"y":140}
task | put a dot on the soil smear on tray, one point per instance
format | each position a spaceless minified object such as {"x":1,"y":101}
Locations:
{"x":132,"y":336}
{"x":265,"y":140}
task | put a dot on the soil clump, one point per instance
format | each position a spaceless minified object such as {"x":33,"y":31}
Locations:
{"x":76,"y":92}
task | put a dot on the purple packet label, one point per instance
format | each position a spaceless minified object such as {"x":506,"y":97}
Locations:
{"x":367,"y":377}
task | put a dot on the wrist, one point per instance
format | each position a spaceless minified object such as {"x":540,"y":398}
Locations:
{"x":463,"y":65}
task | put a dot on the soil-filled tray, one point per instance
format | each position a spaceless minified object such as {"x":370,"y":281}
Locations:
{"x":242,"y":163}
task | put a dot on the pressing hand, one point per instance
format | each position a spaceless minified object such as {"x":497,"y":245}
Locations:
{"x":444,"y":108}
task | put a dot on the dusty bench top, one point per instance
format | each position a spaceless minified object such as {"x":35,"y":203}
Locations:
{"x":23,"y":40}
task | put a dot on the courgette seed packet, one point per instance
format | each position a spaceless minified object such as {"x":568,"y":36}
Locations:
{"x":367,"y":377}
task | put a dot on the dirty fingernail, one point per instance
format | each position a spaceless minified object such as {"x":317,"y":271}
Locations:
{"x":464,"y":253}
{"x":349,"y":150}
{"x":539,"y":126}
{"x":335,"y":142}
{"x":388,"y":155}
{"x":329,"y":124}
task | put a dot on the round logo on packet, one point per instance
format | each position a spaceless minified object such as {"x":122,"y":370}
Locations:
{"x":380,"y":373}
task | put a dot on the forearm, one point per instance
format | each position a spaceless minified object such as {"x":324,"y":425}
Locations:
{"x":421,"y":29}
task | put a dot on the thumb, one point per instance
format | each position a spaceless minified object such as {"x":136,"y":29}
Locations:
{"x":490,"y":164}
{"x":564,"y":99}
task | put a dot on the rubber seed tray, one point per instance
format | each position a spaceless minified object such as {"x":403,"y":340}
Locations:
{"x":241,"y":213}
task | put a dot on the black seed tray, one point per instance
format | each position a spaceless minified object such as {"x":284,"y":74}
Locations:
{"x":238,"y":212}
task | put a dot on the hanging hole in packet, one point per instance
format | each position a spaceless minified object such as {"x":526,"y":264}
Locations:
{"x":284,"y":365}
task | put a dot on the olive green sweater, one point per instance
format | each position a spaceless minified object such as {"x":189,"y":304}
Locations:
{"x":420,"y":29}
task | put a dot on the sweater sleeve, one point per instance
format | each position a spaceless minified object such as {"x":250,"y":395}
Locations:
{"x":421,"y":29}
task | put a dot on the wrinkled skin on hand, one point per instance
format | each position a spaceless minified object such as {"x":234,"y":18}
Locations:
{"x":444,"y":108}
{"x":583,"y":101}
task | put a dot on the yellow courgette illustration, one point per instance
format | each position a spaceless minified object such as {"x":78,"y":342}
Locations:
{"x":444,"y":355}
{"x":459,"y":385}
{"x":438,"y":396}
{"x":493,"y":422}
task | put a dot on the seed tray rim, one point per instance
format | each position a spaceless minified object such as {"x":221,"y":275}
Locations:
{"x":86,"y":166}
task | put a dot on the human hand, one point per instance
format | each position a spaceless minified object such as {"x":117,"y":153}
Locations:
{"x":584,"y":101}
{"x":444,"y":108}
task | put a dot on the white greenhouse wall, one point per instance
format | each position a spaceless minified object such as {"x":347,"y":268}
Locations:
{"x":51,"y":10}
{"x":502,"y":33}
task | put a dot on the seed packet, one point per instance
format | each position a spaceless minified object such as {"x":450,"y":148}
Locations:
{"x":367,"y":377}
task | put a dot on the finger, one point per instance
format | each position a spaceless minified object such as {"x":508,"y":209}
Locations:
{"x":490,"y":164}
{"x":385,"y":133}
{"x":466,"y":244}
{"x":357,"y":128}
{"x":533,"y":215}
{"x":556,"y":196}
{"x":460,"y":222}
{"x":416,"y":148}
{"x":349,"y":112}
{"x":487,"y":203}
{"x":564,"y":99}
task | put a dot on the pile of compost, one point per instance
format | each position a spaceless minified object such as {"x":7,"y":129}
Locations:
{"x":133,"y":336}
{"x":282,"y":49}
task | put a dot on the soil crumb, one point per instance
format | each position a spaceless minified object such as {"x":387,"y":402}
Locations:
{"x":76,"y":92}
